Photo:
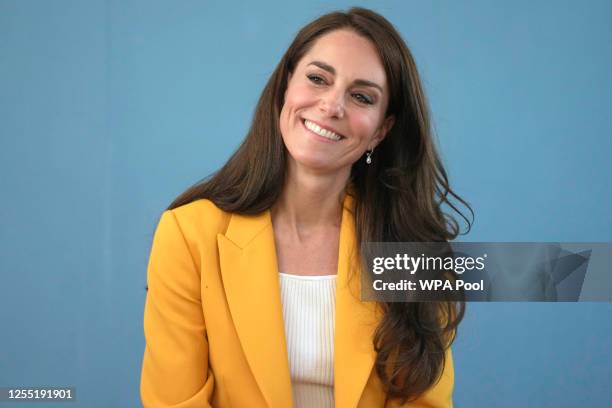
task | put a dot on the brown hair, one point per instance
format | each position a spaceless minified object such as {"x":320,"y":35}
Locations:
{"x":399,"y":197}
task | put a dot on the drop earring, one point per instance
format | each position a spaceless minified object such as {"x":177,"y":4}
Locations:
{"x":369,"y":156}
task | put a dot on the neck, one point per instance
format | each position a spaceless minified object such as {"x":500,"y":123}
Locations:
{"x":310,"y":200}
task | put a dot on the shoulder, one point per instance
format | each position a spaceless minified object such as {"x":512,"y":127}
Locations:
{"x":197,"y":224}
{"x":200,"y":219}
{"x":190,"y":231}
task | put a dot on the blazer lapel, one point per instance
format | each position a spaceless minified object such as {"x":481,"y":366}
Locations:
{"x":356,"y":321}
{"x":249,"y":270}
{"x":250,"y":276}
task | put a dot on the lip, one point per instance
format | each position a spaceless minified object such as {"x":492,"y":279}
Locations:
{"x":322,"y":127}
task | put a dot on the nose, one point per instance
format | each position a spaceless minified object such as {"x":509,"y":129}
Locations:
{"x":332,"y":104}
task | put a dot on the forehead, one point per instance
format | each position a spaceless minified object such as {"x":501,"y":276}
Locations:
{"x":350,"y":54}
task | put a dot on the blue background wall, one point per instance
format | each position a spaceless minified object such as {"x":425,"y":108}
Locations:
{"x":109,"y":109}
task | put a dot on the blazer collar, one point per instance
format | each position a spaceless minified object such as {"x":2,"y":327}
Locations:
{"x":249,"y":269}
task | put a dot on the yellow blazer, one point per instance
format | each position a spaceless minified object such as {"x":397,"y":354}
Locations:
{"x":213,"y":320}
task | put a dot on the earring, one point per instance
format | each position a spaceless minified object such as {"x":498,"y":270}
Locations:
{"x":369,"y":156}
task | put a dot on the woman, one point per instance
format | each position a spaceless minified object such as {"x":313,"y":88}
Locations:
{"x":253,"y":288}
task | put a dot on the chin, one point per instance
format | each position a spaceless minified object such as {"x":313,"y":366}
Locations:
{"x":316,"y":163}
{"x":312,"y":161}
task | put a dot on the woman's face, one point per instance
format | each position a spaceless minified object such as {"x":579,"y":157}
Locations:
{"x":335,"y":103}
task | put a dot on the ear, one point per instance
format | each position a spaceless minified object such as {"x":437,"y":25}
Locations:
{"x":384,"y":128}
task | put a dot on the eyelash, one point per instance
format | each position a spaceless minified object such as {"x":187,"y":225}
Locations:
{"x":361,"y":98}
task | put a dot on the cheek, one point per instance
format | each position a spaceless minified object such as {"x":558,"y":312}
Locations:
{"x":365,"y":126}
{"x":298,"y":95}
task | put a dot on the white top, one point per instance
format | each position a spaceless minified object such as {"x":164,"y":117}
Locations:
{"x":309,"y":309}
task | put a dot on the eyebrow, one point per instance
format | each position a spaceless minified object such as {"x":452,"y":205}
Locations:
{"x":332,"y":70}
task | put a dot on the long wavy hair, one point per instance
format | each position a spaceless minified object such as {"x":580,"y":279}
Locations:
{"x":401,"y":197}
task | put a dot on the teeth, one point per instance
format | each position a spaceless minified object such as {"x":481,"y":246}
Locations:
{"x":321,"y":132}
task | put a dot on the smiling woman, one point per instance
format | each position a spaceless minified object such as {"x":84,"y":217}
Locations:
{"x":337,"y":94}
{"x":254,"y":273}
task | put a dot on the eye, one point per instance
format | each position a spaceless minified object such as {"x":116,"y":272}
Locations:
{"x":361,"y":98}
{"x":316,"y":79}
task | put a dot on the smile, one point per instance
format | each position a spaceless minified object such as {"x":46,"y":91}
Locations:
{"x":328,"y":134}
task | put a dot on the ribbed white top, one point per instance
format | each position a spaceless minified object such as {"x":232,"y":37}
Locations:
{"x":309,"y":306}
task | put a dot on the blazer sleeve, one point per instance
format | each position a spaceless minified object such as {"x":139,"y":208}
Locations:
{"x":438,"y":396}
{"x":175,"y":368}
